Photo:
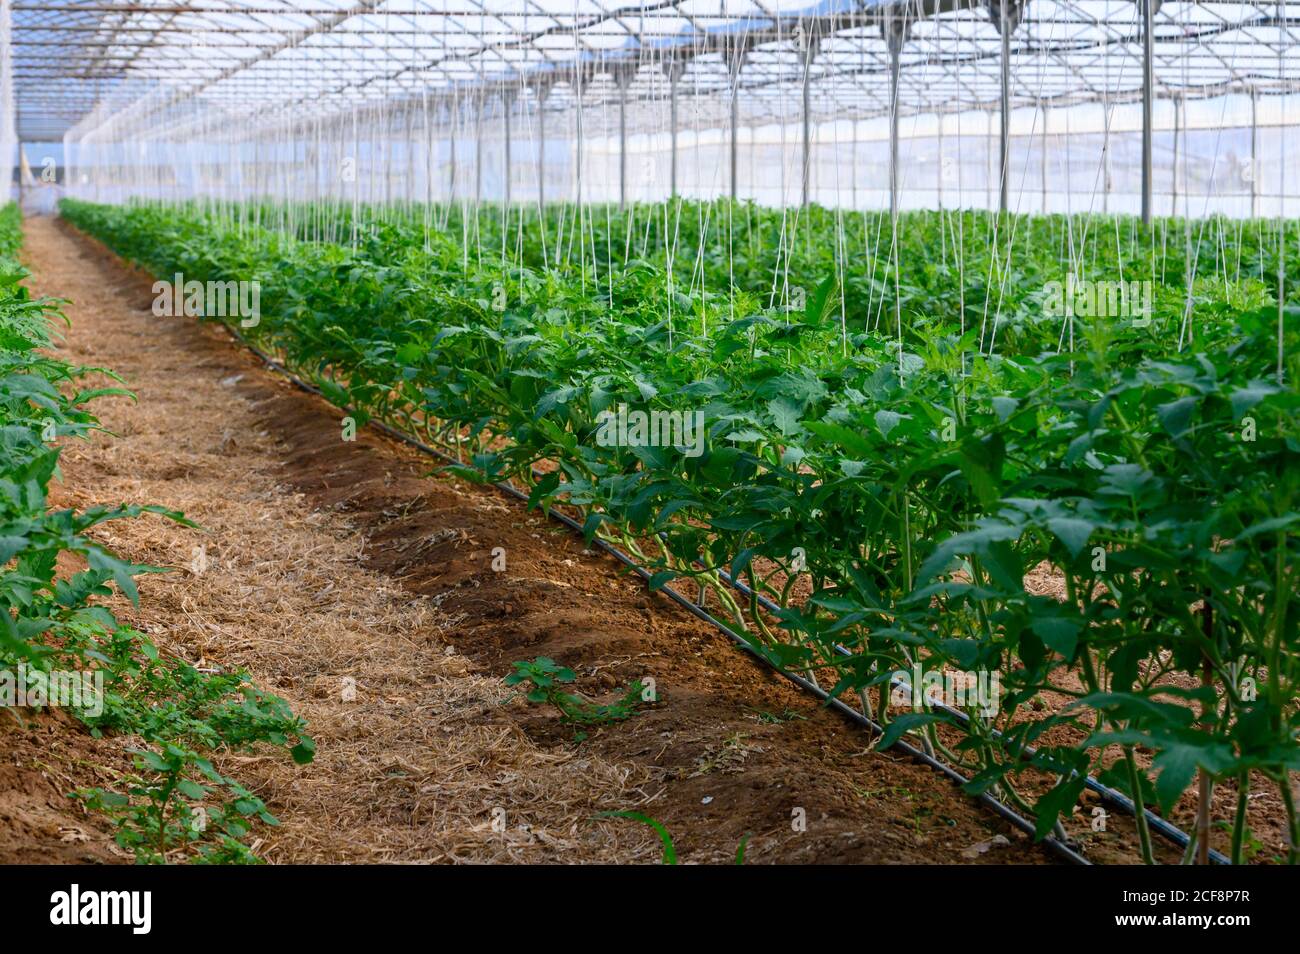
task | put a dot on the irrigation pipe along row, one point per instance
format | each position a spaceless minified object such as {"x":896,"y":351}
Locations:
{"x":1110,"y":796}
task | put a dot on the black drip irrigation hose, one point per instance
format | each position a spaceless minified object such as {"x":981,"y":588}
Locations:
{"x":1060,"y":848}
{"x":1111,"y":796}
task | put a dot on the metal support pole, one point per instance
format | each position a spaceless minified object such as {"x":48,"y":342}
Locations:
{"x":735,"y":132}
{"x":736,"y":62}
{"x":1069,"y":183}
{"x":1107,"y":180}
{"x":1006,"y":17}
{"x":854,"y":164}
{"x":1149,"y":8}
{"x":1254,"y":153}
{"x":410,"y":156}
{"x":320,"y":172}
{"x":1004,"y":139}
{"x":896,"y":31}
{"x":355,"y":173}
{"x":1173,"y":189}
{"x":1106,"y":166}
{"x":543,"y":90}
{"x":1282,"y":51}
{"x":381,"y":152}
{"x":808,"y":53}
{"x":428,"y":160}
{"x":674,"y":69}
{"x":736,"y":55}
{"x":622,"y":78}
{"x":478,"y":153}
{"x":507,"y":103}
{"x":453,"y":117}
{"x":1043,"y":158}
{"x":990,"y":173}
{"x":578,"y":135}
{"x":939,"y":170}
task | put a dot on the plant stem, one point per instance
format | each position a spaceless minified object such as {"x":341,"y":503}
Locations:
{"x":1239,"y":819}
{"x":1292,"y":821}
{"x":1139,"y":807}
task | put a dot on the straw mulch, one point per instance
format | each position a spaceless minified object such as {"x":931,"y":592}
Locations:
{"x":417,"y":762}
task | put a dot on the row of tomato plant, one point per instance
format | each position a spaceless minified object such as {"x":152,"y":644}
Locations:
{"x":54,"y":575}
{"x":951,"y":269}
{"x":890,"y":491}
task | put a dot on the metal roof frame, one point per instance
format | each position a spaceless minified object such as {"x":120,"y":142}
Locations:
{"x":309,"y":58}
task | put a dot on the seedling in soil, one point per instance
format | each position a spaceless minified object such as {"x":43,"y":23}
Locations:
{"x":776,"y":718}
{"x":544,"y":678}
{"x":670,"y":851}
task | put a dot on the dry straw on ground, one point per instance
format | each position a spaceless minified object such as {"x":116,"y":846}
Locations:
{"x":413,"y":767}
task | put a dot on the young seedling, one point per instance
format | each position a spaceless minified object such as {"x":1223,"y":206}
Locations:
{"x":544,"y":677}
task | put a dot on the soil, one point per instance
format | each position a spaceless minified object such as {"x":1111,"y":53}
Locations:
{"x":327,"y":562}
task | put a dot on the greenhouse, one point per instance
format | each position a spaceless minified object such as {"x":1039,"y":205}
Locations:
{"x":685,"y":431}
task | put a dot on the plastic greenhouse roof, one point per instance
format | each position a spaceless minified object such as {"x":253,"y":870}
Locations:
{"x":308,"y":58}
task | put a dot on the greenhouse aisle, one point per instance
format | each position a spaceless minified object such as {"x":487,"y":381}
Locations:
{"x":345,"y":580}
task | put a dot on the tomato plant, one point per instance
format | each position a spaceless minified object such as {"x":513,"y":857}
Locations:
{"x":52,"y":620}
{"x":887,"y":464}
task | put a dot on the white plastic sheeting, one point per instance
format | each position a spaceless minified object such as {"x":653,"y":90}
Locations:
{"x":386,"y":100}
{"x":8,"y":134}
{"x":1208,"y":158}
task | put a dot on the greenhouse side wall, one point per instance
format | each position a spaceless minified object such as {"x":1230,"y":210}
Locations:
{"x":1207,"y":159}
{"x":8,"y":134}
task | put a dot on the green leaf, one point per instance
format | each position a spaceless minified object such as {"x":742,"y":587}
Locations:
{"x":981,"y":464}
{"x":849,"y":440}
{"x":1178,"y":756}
{"x":815,"y":305}
{"x":904,"y":723}
{"x":886,"y":421}
{"x":191,"y":789}
{"x":785,"y":414}
{"x":1243,"y":399}
{"x":304,"y":751}
{"x":1073,"y":532}
{"x":1058,"y":633}
{"x":661,"y":579}
{"x":1177,"y":415}
{"x":9,"y":546}
{"x":1272,"y":525}
{"x":1004,"y":407}
{"x":670,"y":853}
{"x":1058,"y":802}
{"x":119,"y":571}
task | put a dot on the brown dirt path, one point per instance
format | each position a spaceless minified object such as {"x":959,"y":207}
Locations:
{"x":329,"y":560}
